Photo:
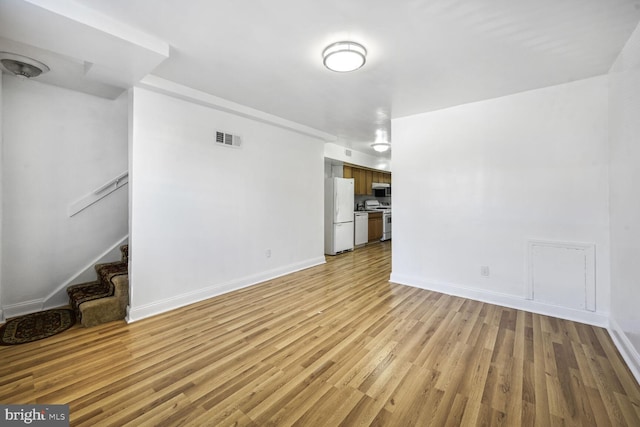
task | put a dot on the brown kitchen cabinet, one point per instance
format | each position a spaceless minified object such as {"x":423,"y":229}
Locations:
{"x":369,"y":180}
{"x":361,"y":182}
{"x":375,"y":226}
{"x":347,"y":171}
{"x":363,"y":178}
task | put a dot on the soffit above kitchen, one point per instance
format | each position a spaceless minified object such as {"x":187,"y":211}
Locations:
{"x":421,"y":55}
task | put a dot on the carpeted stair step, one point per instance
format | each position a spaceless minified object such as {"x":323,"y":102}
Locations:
{"x":103,"y":287}
{"x":89,"y":291}
{"x":124,"y":250}
{"x":106,"y":271}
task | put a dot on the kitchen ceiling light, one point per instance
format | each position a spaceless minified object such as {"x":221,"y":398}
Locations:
{"x":22,"y":66}
{"x":343,"y":57}
{"x":381,"y":147}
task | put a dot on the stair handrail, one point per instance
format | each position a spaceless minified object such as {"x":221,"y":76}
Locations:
{"x":115,"y":181}
{"x":99,"y":193}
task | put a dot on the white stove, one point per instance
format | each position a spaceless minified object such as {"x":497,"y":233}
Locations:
{"x":374,"y":205}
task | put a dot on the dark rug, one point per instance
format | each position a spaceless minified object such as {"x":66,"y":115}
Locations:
{"x":36,"y":326}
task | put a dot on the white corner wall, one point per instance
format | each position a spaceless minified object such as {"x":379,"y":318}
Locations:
{"x":473,"y":183}
{"x":207,"y":219}
{"x":58,"y":146}
{"x":624,"y":135}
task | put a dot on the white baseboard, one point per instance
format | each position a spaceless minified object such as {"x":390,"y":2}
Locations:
{"x":625,"y":347}
{"x":138,"y":313}
{"x":58,"y":297}
{"x":22,"y":308}
{"x":505,"y":300}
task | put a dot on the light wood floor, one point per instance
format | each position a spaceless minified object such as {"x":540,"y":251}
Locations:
{"x":332,"y":345}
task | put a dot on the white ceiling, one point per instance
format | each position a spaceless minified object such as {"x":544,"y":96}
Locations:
{"x":423,"y":55}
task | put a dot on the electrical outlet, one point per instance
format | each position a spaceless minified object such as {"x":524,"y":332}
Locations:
{"x":484,"y":271}
{"x":267,"y":253}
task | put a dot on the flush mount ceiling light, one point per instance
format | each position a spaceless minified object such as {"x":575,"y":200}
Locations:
{"x":344,"y":56}
{"x":22,"y":66}
{"x":381,"y":147}
{"x":382,"y":143}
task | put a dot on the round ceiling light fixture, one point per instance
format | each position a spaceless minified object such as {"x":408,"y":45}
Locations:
{"x":381,"y":147}
{"x":381,"y":143}
{"x":22,"y":66}
{"x":343,"y":57}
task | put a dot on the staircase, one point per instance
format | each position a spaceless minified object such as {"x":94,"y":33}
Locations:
{"x":106,"y":298}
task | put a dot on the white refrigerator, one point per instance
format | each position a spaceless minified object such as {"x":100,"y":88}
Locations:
{"x":338,"y":215}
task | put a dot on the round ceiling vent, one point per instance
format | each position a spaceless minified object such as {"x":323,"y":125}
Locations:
{"x":22,"y":66}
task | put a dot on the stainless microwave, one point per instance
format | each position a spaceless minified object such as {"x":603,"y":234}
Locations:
{"x":381,"y":189}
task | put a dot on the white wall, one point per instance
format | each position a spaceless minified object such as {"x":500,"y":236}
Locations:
{"x":59,"y":145}
{"x":202,"y":216}
{"x":624,"y":119}
{"x":473,"y":183}
{"x":338,"y":152}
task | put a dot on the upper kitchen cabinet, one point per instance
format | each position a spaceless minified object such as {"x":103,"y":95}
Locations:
{"x":364,"y":178}
{"x":361,"y":182}
{"x":368,"y":181}
{"x":359,"y":178}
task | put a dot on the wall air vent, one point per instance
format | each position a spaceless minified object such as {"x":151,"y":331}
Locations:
{"x":228,"y":140}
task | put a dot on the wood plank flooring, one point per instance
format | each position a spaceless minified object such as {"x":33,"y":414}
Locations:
{"x":334,"y":345}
